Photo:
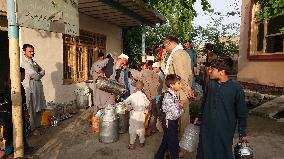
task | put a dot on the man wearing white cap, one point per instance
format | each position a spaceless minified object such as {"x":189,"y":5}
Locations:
{"x":157,"y":68}
{"x":122,"y":72}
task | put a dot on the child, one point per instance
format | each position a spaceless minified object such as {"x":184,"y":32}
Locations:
{"x":223,"y":108}
{"x":137,"y":103}
{"x":151,"y":84}
{"x":173,"y":111}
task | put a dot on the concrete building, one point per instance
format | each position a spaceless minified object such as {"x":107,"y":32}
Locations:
{"x":68,"y":59}
{"x":261,"y":60}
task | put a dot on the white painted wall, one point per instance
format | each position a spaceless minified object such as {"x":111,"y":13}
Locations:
{"x":113,"y":33}
{"x":49,"y":55}
{"x":259,"y":72}
{"x":3,"y":5}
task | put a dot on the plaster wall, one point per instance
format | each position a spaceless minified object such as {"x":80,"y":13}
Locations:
{"x":49,"y":55}
{"x":268,"y":72}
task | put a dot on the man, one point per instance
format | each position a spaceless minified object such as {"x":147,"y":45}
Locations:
{"x":192,"y":53}
{"x":210,"y":56}
{"x":100,"y":98}
{"x":157,"y":68}
{"x":179,"y":63}
{"x":223,"y":107}
{"x":122,"y":72}
{"x":32,"y":84}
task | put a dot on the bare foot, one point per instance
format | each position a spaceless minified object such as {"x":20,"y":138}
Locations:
{"x":141,"y":144}
{"x":131,"y":147}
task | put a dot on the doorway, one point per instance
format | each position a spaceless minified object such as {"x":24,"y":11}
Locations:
{"x":4,"y":66}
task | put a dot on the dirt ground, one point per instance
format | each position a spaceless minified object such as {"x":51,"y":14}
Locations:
{"x":73,"y":139}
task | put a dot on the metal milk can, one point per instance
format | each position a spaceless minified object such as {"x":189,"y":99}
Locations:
{"x":108,"y":125}
{"x":123,"y":117}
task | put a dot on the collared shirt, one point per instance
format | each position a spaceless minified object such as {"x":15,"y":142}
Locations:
{"x":171,"y":105}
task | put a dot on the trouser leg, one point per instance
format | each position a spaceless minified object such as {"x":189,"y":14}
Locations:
{"x":132,"y":137}
{"x":172,"y":139}
{"x":37,"y":121}
{"x":163,"y":148}
{"x":141,"y":134}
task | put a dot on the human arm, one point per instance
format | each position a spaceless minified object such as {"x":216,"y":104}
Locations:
{"x":171,"y":107}
{"x":241,"y":112}
{"x":127,"y":102}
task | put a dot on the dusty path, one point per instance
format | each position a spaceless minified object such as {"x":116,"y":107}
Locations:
{"x":73,"y":140}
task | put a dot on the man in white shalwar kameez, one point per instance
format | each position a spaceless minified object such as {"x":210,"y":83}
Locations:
{"x":137,"y":104}
{"x":33,"y":87}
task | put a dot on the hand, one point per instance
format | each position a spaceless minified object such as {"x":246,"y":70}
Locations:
{"x":181,"y":103}
{"x":101,"y":74}
{"x":194,"y":70}
{"x":243,"y":139}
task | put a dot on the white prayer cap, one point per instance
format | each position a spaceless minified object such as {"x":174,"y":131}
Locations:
{"x":156,"y":64}
{"x":123,"y":56}
{"x":150,"y":58}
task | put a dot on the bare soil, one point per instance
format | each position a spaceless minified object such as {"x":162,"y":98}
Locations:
{"x":73,"y":139}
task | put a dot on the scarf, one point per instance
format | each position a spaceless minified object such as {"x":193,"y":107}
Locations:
{"x":169,"y":61}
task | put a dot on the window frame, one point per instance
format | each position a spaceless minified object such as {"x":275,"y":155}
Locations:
{"x":252,"y":53}
{"x":98,"y":43}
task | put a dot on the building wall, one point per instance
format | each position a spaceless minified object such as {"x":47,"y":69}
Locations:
{"x":2,"y":5}
{"x":49,"y":55}
{"x":112,"y":32}
{"x":268,"y":72}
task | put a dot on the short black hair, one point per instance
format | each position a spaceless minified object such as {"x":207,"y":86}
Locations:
{"x":149,"y":63}
{"x":225,"y":63}
{"x":189,"y":41}
{"x":171,"y":79}
{"x":172,"y":39}
{"x":108,"y":56}
{"x":100,"y":54}
{"x":209,"y":46}
{"x":25,"y":46}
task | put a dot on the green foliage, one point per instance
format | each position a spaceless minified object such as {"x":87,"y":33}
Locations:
{"x":179,"y":15}
{"x":270,"y":8}
{"x":223,"y":36}
{"x":132,"y":40}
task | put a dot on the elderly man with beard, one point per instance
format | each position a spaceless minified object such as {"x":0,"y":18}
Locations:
{"x":106,"y":68}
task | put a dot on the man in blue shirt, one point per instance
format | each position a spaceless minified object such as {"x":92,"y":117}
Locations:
{"x":193,"y":55}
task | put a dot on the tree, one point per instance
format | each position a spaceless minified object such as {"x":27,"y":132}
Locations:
{"x":223,"y":36}
{"x":179,"y":15}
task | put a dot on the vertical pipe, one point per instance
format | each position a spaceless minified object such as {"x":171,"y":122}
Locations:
{"x":143,"y":40}
{"x":14,"y":55}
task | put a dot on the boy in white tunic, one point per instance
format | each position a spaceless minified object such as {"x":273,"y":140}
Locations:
{"x":137,"y":104}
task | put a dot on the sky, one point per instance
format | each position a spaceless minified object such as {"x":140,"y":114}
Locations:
{"x":222,"y":6}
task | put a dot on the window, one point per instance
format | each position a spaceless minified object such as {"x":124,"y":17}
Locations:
{"x":79,"y":53}
{"x":3,"y":21}
{"x":266,"y":40}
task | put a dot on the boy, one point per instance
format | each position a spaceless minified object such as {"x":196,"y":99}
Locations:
{"x":223,"y":107}
{"x":173,"y":111}
{"x":138,"y":104}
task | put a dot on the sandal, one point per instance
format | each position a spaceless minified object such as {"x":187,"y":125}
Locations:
{"x":131,"y":147}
